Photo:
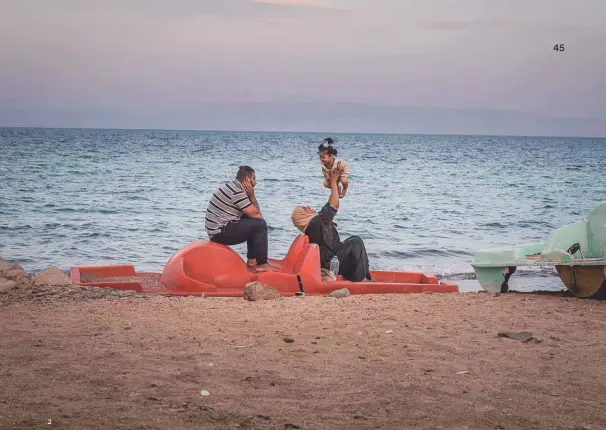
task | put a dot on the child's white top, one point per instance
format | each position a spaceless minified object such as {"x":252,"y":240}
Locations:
{"x":339,"y":163}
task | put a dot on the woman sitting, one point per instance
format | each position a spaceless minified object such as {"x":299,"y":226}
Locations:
{"x":321,"y":230}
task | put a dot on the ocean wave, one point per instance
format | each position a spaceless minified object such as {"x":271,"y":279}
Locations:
{"x":463,"y":272}
{"x":56,"y":225}
{"x":89,"y":211}
{"x":422,"y":252}
{"x":451,"y":271}
{"x":493,"y":225}
{"x":530,"y":223}
{"x":16,"y":228}
{"x":93,"y":235}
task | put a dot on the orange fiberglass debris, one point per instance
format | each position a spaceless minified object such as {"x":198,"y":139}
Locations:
{"x":210,"y":269}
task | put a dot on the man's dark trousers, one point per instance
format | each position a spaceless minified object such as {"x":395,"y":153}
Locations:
{"x":253,"y":231}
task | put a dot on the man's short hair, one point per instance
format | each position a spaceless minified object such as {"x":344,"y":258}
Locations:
{"x":245,"y":172}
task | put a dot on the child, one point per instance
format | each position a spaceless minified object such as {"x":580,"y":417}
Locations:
{"x":330,"y":162}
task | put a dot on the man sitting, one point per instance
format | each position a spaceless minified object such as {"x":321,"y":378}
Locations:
{"x":233,"y":217}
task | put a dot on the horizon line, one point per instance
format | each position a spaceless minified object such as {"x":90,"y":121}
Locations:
{"x":300,"y":132}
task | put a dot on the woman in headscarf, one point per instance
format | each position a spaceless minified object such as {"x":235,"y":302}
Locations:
{"x":321,"y":230}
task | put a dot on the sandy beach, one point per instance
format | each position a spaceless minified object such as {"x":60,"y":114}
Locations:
{"x":76,"y":357}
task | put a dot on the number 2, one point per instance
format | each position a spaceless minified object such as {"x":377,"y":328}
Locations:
{"x":559,"y":47}
{"x":49,"y":422}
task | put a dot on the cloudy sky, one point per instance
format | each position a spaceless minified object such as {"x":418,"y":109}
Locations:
{"x":412,"y":66}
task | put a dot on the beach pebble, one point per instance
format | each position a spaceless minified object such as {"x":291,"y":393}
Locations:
{"x":6,"y":284}
{"x":257,"y":291}
{"x":343,"y":292}
{"x":4,"y":266}
{"x":52,"y":276}
{"x":16,"y":272}
{"x":204,"y":393}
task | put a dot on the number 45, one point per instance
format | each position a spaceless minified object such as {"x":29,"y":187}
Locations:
{"x":559,"y":47}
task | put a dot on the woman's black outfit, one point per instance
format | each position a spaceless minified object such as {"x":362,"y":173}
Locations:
{"x":353,"y":260}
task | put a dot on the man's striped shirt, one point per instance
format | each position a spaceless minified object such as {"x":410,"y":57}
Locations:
{"x":225,"y":205}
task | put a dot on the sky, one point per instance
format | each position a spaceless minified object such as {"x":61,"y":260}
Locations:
{"x":404,"y":66}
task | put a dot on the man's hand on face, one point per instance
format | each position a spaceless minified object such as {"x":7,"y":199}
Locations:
{"x":248,"y":187}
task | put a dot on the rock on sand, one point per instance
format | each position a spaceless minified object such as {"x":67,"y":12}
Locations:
{"x":52,"y":276}
{"x":257,"y":291}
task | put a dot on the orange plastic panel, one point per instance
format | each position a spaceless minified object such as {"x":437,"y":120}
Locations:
{"x":106,"y":272}
{"x":206,"y":267}
{"x":288,"y":262}
{"x":210,"y":269}
{"x":402,"y":277}
{"x":124,"y":270}
{"x":307,"y":268}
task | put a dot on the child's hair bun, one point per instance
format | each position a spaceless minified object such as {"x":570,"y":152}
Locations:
{"x":326,"y":145}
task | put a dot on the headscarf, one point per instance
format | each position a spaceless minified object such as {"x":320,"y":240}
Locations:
{"x":301,"y":218}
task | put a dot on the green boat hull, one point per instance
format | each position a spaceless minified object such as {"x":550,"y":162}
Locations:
{"x":577,"y":251}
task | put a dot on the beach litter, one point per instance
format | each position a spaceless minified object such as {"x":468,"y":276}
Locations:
{"x":522,"y":336}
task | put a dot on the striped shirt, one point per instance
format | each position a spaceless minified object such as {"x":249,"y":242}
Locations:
{"x":225,"y":205}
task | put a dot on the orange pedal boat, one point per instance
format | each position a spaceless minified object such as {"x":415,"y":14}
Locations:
{"x":210,"y":269}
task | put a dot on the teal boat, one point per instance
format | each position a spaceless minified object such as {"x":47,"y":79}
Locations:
{"x":577,"y":251}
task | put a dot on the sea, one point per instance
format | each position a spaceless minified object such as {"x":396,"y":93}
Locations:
{"x":72,"y":197}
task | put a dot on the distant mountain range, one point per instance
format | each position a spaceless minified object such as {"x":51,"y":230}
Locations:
{"x":312,"y":117}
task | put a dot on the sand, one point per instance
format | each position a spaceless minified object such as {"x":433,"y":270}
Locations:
{"x":76,"y":358}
